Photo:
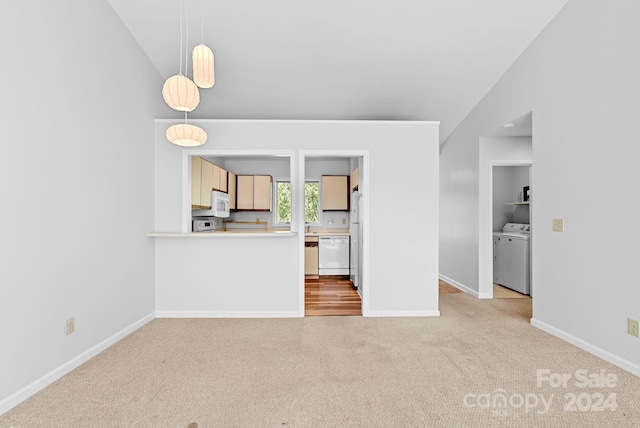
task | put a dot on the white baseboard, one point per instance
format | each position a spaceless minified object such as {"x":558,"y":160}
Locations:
{"x":381,"y":314}
{"x":465,"y":288}
{"x":592,"y":349}
{"x":46,"y":380}
{"x":228,"y":314}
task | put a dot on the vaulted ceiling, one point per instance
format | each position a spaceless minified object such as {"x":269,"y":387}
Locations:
{"x":343,"y":59}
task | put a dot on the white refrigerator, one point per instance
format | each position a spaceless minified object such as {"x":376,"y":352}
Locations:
{"x":355,"y":229}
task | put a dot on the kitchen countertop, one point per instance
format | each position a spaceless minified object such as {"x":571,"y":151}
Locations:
{"x":246,"y":233}
{"x":223,"y":233}
{"x":328,"y":233}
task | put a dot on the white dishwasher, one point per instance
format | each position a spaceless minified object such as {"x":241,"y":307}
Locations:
{"x":333,"y":255}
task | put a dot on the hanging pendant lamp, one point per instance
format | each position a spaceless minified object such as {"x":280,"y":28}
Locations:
{"x":179,"y":92}
{"x":186,"y":135}
{"x":202,"y":59}
{"x":203,"y":71}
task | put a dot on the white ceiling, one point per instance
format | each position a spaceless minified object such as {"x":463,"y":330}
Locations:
{"x":343,"y":59}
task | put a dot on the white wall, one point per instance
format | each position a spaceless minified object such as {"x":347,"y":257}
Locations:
{"x":502,"y":194}
{"x":403,"y":261}
{"x":316,"y":168}
{"x":508,"y":184}
{"x":76,"y":177}
{"x":580,"y":80}
{"x":276,"y":167}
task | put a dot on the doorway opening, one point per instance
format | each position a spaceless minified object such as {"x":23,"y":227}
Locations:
{"x":511,"y":231}
{"x":332,"y":241}
{"x":506,"y":207}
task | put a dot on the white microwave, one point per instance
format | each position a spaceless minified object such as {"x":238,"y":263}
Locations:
{"x":219,"y":206}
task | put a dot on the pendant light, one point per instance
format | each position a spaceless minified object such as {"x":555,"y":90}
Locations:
{"x":186,"y":135}
{"x":203,"y":60}
{"x":203,"y":72}
{"x":178,"y":91}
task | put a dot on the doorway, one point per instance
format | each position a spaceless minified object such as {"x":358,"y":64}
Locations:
{"x":511,"y":214}
{"x":334,"y":289}
{"x":509,"y":147}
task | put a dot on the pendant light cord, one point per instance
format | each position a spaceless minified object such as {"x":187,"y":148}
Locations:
{"x":180,"y":61}
{"x":201,"y":22}
{"x":186,"y":46}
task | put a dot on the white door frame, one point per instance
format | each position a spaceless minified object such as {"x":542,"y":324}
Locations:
{"x":485,"y":225}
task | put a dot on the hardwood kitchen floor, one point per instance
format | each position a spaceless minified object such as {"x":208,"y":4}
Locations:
{"x":331,"y":295}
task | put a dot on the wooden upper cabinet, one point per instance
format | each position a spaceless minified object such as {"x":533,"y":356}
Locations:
{"x":206,"y":177}
{"x":262,"y":185}
{"x":244,"y":192}
{"x":215,"y":173}
{"x":354,"y":179}
{"x":254,"y":192}
{"x":196,"y":179}
{"x":335,"y":193}
{"x":232,"y":190}
{"x":207,"y":183}
{"x":223,"y":180}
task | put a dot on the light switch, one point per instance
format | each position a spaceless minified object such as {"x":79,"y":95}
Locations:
{"x":558,"y":225}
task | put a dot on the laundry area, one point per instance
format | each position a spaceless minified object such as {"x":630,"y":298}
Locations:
{"x":511,"y":228}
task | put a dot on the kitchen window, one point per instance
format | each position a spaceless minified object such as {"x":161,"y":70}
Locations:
{"x":311,"y":202}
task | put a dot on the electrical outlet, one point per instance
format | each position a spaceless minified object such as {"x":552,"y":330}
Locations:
{"x":633,"y":328}
{"x":69,"y":326}
{"x":344,"y":220}
{"x":558,"y":225}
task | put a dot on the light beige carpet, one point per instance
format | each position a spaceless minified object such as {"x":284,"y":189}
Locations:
{"x":448,"y":371}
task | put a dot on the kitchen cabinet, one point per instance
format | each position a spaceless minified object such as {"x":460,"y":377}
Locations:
{"x":215,"y":177}
{"x":219,"y":178}
{"x":196,"y":177}
{"x":311,"y":255}
{"x":205,"y":177}
{"x":245,"y":192}
{"x":223,"y":180}
{"x":354,"y":179}
{"x":262,"y":187}
{"x":335,"y":193}
{"x":231,"y":187}
{"x":254,"y":192}
{"x":206,"y":183}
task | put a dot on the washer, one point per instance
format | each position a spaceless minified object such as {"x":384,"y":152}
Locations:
{"x":513,"y":257}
